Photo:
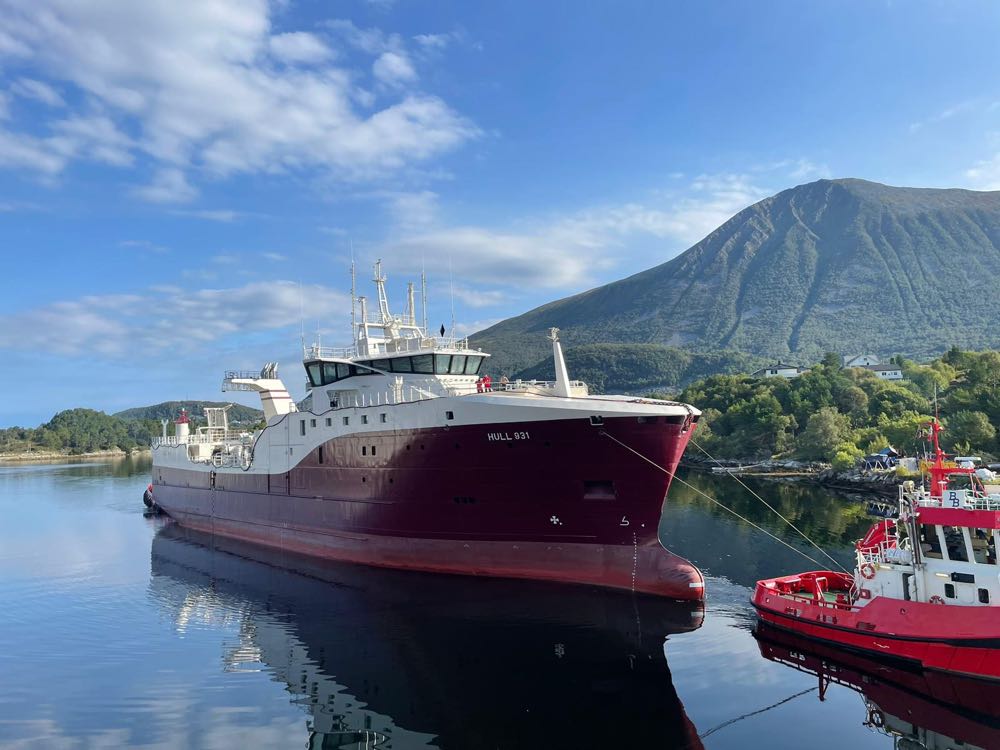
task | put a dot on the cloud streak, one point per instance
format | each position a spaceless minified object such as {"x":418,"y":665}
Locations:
{"x":195,"y":87}
{"x":164,"y":319}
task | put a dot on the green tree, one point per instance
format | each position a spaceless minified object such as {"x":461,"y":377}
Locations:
{"x":971,"y":429}
{"x":825,"y":432}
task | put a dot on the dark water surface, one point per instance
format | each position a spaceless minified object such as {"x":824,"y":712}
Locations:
{"x":120,"y":630}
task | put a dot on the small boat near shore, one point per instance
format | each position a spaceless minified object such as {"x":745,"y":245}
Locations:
{"x":925,"y":589}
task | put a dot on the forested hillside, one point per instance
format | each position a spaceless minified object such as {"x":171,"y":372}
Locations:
{"x":835,"y":265}
{"x":838,"y":414}
{"x":638,"y":368}
{"x":238,"y":414}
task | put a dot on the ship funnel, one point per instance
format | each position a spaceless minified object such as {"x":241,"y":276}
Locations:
{"x":562,"y":377}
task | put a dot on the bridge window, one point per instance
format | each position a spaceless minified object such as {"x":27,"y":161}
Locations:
{"x":424,"y":364}
{"x":343,"y":371}
{"x":472,"y":364}
{"x":315,"y":373}
{"x":402,"y":364}
{"x":441,"y":362}
{"x":381,"y":364}
{"x":457,"y":365}
{"x":329,"y":372}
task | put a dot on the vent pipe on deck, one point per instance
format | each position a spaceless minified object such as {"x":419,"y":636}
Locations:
{"x":562,"y":377}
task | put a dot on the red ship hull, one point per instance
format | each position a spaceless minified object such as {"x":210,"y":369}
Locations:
{"x":562,"y":502}
{"x":931,"y":636}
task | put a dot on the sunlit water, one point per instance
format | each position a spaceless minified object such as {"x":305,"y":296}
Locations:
{"x":120,"y":630}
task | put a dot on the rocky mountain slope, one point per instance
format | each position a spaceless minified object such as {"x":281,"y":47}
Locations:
{"x":835,"y":265}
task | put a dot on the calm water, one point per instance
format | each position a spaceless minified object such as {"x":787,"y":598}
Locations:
{"x":120,"y":630}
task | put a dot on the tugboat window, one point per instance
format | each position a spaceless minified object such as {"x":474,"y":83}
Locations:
{"x":930,"y":545}
{"x":984,"y":549}
{"x":441,"y":362}
{"x":984,"y":596}
{"x":949,"y":590}
{"x":329,"y":372}
{"x":302,"y":427}
{"x":364,"y":419}
{"x":402,"y":364}
{"x":457,"y":365}
{"x":955,"y":544}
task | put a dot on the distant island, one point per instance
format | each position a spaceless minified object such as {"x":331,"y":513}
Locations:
{"x":79,"y":432}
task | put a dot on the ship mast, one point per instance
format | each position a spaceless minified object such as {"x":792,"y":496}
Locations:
{"x":354,"y":297}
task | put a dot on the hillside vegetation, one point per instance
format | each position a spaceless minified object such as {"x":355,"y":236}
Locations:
{"x":837,"y":414}
{"x":834,"y":265}
{"x":238,"y":414}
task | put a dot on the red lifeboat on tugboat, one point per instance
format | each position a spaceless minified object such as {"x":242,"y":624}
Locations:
{"x":925,"y":589}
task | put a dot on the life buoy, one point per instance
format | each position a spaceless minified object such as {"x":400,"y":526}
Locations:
{"x":936,"y":600}
{"x":867,"y":571}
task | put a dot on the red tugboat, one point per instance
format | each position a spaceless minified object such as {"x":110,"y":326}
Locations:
{"x":925,"y":589}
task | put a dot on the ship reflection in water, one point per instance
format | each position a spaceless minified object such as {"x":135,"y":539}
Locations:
{"x":390,"y":659}
{"x":919,"y":710}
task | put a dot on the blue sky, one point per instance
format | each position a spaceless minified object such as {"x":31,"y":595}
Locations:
{"x":181,"y":179}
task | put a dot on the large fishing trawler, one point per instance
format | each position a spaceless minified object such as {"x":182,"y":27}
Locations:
{"x":404,"y":454}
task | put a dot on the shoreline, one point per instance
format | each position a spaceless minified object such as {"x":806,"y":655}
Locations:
{"x":853,"y":481}
{"x":41,"y":457}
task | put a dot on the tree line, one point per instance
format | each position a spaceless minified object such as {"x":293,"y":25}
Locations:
{"x":838,"y":414}
{"x":77,"y":431}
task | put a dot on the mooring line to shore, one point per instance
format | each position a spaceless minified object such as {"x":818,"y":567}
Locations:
{"x":712,"y":499}
{"x":754,"y":713}
{"x":773,"y":509}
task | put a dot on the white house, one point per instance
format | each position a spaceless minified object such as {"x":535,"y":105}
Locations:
{"x":862,"y":360}
{"x":779,"y":370}
{"x":886,"y":372}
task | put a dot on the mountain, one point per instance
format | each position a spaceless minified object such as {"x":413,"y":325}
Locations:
{"x":238,"y":415}
{"x":835,"y":265}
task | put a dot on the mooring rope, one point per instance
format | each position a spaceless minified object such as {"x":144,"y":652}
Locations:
{"x":754,"y":713}
{"x":774,"y":510}
{"x":712,"y":499}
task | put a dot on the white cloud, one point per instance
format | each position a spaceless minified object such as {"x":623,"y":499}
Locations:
{"x":196,"y":86}
{"x":276,"y":257}
{"x":168,"y":186}
{"x":577,"y":249}
{"x":433,"y":41}
{"x":416,"y":210}
{"x":480,"y":297}
{"x":299,"y":47}
{"x":394,"y":69}
{"x":985,"y":174}
{"x":163,"y":318}
{"x":37,"y":90}
{"x":21,"y":151}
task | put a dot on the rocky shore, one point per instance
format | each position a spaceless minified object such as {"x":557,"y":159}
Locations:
{"x":42,"y":457}
{"x":881,"y":483}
